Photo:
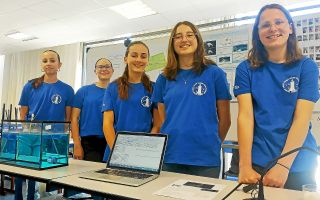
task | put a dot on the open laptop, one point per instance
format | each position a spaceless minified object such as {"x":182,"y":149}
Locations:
{"x":136,"y":158}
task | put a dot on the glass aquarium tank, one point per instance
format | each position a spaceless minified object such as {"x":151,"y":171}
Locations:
{"x":35,"y":144}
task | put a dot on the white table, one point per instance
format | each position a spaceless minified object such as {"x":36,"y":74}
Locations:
{"x":146,"y":191}
{"x":278,"y":194}
{"x":74,"y":167}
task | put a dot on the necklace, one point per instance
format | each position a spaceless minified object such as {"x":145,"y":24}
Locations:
{"x":186,"y":78}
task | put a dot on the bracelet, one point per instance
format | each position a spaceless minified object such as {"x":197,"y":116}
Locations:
{"x":283,"y":166}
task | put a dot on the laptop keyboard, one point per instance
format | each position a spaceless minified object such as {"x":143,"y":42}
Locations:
{"x":123,"y":173}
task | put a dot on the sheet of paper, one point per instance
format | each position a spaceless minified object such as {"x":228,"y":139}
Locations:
{"x":190,"y":190}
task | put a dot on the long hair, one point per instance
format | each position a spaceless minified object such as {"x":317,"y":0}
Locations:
{"x":258,"y":54}
{"x":37,"y":82}
{"x":200,"y":61}
{"x":123,"y":81}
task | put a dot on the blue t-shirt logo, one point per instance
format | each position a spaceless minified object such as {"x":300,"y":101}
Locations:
{"x":145,"y":101}
{"x":56,"y":99}
{"x":199,"y":88}
{"x":291,"y":85}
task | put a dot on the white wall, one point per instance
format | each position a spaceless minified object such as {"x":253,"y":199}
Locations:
{"x":23,"y":66}
{"x":2,"y":57}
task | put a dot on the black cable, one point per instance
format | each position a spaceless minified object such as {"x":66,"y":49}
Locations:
{"x":234,"y":189}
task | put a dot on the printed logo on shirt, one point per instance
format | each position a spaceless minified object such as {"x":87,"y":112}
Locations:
{"x":199,"y":88}
{"x":145,"y":101}
{"x":236,"y":87}
{"x":291,"y":85}
{"x":56,"y":99}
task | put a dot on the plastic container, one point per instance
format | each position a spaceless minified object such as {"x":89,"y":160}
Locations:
{"x":36,"y":145}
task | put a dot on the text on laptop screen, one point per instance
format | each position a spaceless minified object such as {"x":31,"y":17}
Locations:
{"x":137,"y":152}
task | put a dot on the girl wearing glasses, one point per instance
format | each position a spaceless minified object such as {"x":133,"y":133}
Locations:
{"x":87,"y":119}
{"x":126,"y":103}
{"x":44,"y":98}
{"x":276,"y":89}
{"x":194,"y":105}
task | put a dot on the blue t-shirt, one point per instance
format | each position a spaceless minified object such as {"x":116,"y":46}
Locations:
{"x":275,"y":89}
{"x":133,"y":114}
{"x":89,"y":100}
{"x":191,"y":115}
{"x":48,"y":102}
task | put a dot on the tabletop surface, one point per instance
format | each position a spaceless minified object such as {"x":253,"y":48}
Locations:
{"x":166,"y":178}
{"x":74,"y":167}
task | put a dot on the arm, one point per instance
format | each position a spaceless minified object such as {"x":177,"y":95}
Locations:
{"x":78,"y":151}
{"x":162,"y":113}
{"x":68,"y":113}
{"x":23,"y":112}
{"x":245,"y":138}
{"x":156,"y":121}
{"x":224,"y":116}
{"x":108,"y":128}
{"x":298,"y":131}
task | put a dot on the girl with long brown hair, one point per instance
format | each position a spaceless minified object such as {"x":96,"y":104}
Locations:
{"x":276,"y":89}
{"x":194,"y":105}
{"x":127,"y":101}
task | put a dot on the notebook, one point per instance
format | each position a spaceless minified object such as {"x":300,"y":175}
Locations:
{"x":135,"y":159}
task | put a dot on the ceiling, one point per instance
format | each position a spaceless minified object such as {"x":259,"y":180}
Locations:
{"x":58,"y":22}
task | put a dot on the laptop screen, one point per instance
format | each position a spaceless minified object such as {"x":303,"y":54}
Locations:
{"x":138,"y":151}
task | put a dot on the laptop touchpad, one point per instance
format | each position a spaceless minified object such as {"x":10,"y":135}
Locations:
{"x":111,"y":177}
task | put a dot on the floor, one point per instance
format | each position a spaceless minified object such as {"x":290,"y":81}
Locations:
{"x":8,"y":196}
{"x":45,"y":196}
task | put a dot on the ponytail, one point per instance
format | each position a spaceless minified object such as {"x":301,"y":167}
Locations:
{"x":146,"y":82}
{"x":37,"y":82}
{"x":123,"y":84}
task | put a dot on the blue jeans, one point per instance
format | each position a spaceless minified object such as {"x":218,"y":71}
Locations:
{"x":212,"y":172}
{"x":18,"y":189}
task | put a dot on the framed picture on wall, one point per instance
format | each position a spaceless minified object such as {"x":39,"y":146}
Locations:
{"x":224,"y":59}
{"x":240,"y":47}
{"x":299,"y":38}
{"x":311,"y":37}
{"x":210,"y":47}
{"x":299,"y":23}
{"x":310,"y":29}
{"x":305,"y":38}
{"x":311,"y":22}
{"x":304,"y":29}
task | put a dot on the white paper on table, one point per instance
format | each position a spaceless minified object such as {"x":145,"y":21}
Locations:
{"x":180,"y":190}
